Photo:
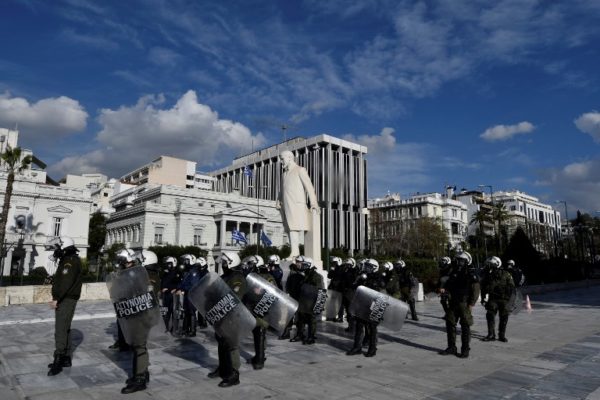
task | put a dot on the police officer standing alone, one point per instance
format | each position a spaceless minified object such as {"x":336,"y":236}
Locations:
{"x":311,"y":278}
{"x":66,"y":289}
{"x":335,"y":275}
{"x":462,"y":288}
{"x":498,"y":287}
{"x":348,"y":278}
{"x":170,"y":280}
{"x":408,"y":284}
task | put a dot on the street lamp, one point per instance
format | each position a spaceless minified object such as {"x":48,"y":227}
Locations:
{"x":566,"y":214}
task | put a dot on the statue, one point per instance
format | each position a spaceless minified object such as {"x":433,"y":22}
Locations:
{"x":297,"y":218}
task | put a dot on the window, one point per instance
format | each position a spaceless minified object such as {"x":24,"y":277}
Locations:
{"x":105,"y":194}
{"x":158,"y":235}
{"x":454,"y":213}
{"x":197,"y":237}
{"x":513,"y":208}
{"x":56,"y":225}
{"x":455,"y":229}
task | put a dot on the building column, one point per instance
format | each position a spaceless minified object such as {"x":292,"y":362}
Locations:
{"x":222,"y":241}
{"x":7,"y":263}
{"x":27,"y":261}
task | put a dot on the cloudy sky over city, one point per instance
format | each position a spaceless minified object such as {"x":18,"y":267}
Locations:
{"x":463,"y":92}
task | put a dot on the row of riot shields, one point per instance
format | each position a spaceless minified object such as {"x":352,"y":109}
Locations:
{"x":138,"y":309}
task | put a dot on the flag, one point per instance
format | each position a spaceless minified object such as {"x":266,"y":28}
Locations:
{"x":247,"y":171}
{"x":238,"y":236}
{"x":265,"y":239}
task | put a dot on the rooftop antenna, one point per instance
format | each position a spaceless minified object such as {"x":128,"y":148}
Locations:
{"x":284,"y":128}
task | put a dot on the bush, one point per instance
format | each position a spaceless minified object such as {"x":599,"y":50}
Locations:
{"x":426,"y":271}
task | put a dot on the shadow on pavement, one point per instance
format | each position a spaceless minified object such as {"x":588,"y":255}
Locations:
{"x":395,"y":339}
{"x":190,"y":350}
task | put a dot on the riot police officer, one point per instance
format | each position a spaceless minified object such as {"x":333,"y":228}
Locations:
{"x":195,"y":272}
{"x":370,"y":277}
{"x":496,"y":290}
{"x":348,"y":279}
{"x":66,"y":289}
{"x":408,"y":284}
{"x":256,"y":265}
{"x":292,"y":287}
{"x":312,"y":278}
{"x":390,"y":278}
{"x":275,"y":269}
{"x":169,"y":282}
{"x":229,"y":352}
{"x":141,"y":360}
{"x":335,"y":275}
{"x":462,"y":288}
{"x":445,"y":266}
{"x":516,"y":273}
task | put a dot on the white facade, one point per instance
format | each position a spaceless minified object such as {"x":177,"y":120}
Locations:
{"x":386,"y":212}
{"x":338,"y":171}
{"x":152,"y":215}
{"x":39,"y":212}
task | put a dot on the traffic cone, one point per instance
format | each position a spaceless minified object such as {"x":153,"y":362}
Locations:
{"x":528,"y":304}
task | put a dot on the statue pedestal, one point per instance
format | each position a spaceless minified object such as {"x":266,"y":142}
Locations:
{"x":312,"y":240}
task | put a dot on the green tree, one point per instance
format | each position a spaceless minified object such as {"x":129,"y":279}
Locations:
{"x":14,"y":163}
{"x":480,"y":218}
{"x":500,"y":216}
{"x":97,"y":235}
{"x":525,"y":255}
{"x":425,"y":237}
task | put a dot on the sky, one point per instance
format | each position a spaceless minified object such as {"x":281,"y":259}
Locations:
{"x":465,"y":93}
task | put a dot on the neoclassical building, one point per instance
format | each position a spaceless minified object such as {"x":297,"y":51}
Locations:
{"x":39,"y":211}
{"x":153,"y":214}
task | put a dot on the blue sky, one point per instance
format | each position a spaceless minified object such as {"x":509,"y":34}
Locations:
{"x":462,"y":92}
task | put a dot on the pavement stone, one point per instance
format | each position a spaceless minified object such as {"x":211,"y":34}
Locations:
{"x":552,"y":353}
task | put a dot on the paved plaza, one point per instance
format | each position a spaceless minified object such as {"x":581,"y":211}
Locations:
{"x":553,"y":353}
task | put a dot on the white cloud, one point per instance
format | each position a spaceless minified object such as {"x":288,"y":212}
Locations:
{"x":504,"y":132}
{"x":577,"y":183}
{"x":376,"y":144}
{"x":45,"y":119}
{"x":589,"y":123}
{"x":134,"y":135}
{"x":164,"y":56}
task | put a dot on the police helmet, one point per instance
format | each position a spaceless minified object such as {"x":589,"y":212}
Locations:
{"x":370,"y":266}
{"x":170,"y":261}
{"x":335,"y":261}
{"x":445,"y":261}
{"x":230,"y":258}
{"x":274,"y":259}
{"x":304,"y":263}
{"x":400,"y":263}
{"x":350,"y":261}
{"x":146,"y":257}
{"x":464,"y":257}
{"x":124,"y":257}
{"x":201,"y":263}
{"x":388,"y":266}
{"x":510,"y":263}
{"x":188,"y":259}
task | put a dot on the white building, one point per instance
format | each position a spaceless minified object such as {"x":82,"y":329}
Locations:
{"x":151,"y":215}
{"x":39,"y":212}
{"x":540,"y":221}
{"x":391,"y":215}
{"x":169,"y":171}
{"x":338,"y":171}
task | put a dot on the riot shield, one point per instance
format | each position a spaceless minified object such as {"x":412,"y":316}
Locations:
{"x":135,"y":304}
{"x":312,"y":299}
{"x":269,"y":302}
{"x":333,"y":304}
{"x":178,"y":315}
{"x":221,"y":308}
{"x":370,"y":305}
{"x":515,"y":304}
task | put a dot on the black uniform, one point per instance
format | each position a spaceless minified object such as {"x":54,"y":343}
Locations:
{"x":259,"y":333}
{"x":408,"y":284}
{"x":229,"y":353}
{"x":366,"y":331}
{"x":348,"y":279}
{"x":445,"y":270}
{"x":313,"y":278}
{"x":292,"y":287}
{"x":190,"y":279}
{"x":169,"y":283}
{"x":498,"y":285}
{"x":336,"y":276}
{"x":66,"y":290}
{"x":462,"y":288}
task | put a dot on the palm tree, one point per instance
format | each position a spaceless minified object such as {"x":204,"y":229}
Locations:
{"x":481,"y":217}
{"x":500,"y":216}
{"x":13,"y":162}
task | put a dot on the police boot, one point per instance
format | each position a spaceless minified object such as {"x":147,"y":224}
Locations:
{"x":132,"y":379}
{"x":312,"y":328}
{"x":491,"y":336}
{"x":260,"y":339}
{"x":56,"y":366}
{"x":451,"y":337}
{"x":465,"y":338}
{"x":135,"y":385}
{"x":351,"y":324}
{"x":232,"y":380}
{"x":65,"y":362}
{"x":358,"y":339}
{"x":192,"y":327}
{"x":413,"y":310}
{"x":372,"y":350}
{"x":214,"y":374}
{"x":299,"y":336}
{"x":202,"y":322}
{"x":502,"y":328}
